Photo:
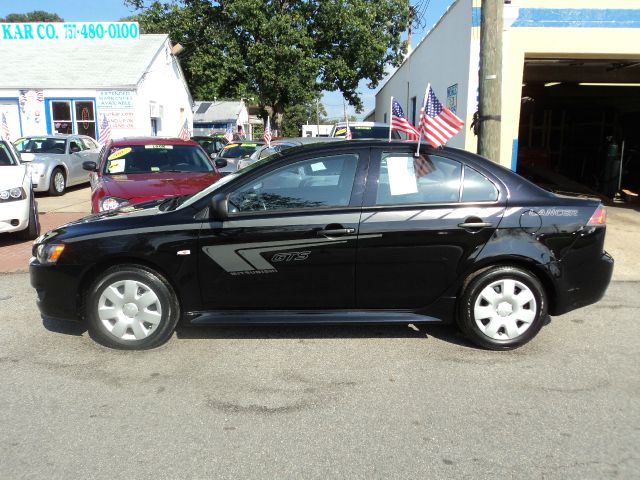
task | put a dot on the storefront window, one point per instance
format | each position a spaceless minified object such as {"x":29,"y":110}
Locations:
{"x":61,"y":116}
{"x":85,"y":119}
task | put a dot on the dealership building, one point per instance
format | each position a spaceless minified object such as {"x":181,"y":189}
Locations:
{"x":570,"y":84}
{"x":67,"y":82}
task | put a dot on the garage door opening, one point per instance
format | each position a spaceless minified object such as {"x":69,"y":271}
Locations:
{"x":578,"y":119}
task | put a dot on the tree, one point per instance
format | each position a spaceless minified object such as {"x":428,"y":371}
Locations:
{"x":35,"y":16}
{"x":281,"y":52}
{"x":299,"y":114}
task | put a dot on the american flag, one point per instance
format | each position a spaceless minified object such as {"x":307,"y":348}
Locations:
{"x":267,"y":132}
{"x":105,"y":131}
{"x":5,"y":128}
{"x":398,"y":122}
{"x":422,"y":166}
{"x":348,"y":135}
{"x":437,"y":123}
{"x":184,"y":133}
{"x":40,"y":95}
{"x":228,"y":135}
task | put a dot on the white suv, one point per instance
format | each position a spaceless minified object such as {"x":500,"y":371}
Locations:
{"x":18,"y":208}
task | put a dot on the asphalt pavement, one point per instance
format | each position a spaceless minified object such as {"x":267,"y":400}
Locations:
{"x":321,"y":402}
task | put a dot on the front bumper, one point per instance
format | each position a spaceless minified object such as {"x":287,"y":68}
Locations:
{"x":17,"y":210}
{"x":57,"y":289}
{"x":582,"y":284}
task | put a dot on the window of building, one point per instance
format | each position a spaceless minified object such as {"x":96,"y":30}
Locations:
{"x":61,"y":116}
{"x":85,"y":118}
{"x":73,"y":117}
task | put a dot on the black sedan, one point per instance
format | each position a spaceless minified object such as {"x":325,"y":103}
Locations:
{"x":348,"y":232}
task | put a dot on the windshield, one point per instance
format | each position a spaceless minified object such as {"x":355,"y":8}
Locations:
{"x":6,"y":158}
{"x":366,"y":132}
{"x":41,"y":145}
{"x":156,"y":158}
{"x":238,"y":150}
{"x":224,"y":180}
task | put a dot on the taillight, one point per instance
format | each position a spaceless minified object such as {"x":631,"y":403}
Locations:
{"x":599,"y":217}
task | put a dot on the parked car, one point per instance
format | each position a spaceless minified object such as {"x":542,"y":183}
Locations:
{"x":56,"y":160}
{"x":227,"y":159}
{"x":211,"y":145}
{"x":277,"y":146}
{"x":133,"y":170}
{"x":362,"y":130}
{"x":341,"y":232}
{"x":18,"y":208}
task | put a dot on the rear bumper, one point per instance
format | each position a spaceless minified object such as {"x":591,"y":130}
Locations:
{"x":57,"y":289}
{"x":582,"y":284}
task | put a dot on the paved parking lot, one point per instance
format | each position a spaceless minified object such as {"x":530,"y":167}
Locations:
{"x":321,"y":402}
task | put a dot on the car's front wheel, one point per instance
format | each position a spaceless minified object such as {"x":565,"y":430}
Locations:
{"x":502,"y":308}
{"x":131,"y":307}
{"x":58,"y":182}
{"x":33,"y":227}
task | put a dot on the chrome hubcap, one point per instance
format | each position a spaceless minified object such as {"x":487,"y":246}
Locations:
{"x":129,"y":310}
{"x":58,"y":181}
{"x":505,"y":309}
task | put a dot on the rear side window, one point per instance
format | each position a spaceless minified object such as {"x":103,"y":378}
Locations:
{"x":317,"y":183}
{"x":477,"y":187}
{"x":6,"y":158}
{"x":405,"y":179}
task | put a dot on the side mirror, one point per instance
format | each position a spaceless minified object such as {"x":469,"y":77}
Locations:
{"x":90,"y":166}
{"x":221,"y":162}
{"x":218,"y":209}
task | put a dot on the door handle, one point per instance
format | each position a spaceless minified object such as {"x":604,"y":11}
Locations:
{"x":475,"y":224}
{"x":335,"y":232}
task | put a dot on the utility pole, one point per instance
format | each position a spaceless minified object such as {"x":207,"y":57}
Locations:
{"x":490,"y":105}
{"x":317,"y":119}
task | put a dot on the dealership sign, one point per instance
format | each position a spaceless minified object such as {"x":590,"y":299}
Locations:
{"x":67,"y":31}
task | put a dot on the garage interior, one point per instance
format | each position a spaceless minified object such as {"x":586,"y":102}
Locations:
{"x":578,"y":119}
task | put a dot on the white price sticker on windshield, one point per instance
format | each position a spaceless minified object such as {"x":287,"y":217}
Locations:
{"x":117,"y":166}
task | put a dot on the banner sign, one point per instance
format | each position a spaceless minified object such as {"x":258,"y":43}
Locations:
{"x":115,"y":99}
{"x":80,"y":32}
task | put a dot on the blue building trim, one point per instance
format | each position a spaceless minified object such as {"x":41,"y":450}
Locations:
{"x":571,"y":18}
{"x":514,"y":155}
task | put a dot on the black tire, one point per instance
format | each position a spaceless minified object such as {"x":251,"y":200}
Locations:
{"x":473,"y":293}
{"x":33,"y":228}
{"x":169,"y":308}
{"x":52,"y":182}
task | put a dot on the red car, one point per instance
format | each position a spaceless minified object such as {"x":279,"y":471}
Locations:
{"x":134,"y":170}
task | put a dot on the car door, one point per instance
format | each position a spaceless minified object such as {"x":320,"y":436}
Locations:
{"x":290,"y":239}
{"x":418,"y":229}
{"x":75,"y":158}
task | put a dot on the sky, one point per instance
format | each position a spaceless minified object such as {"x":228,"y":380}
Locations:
{"x":110,"y":10}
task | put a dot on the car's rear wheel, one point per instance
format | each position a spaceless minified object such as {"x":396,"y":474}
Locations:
{"x":131,"y":307}
{"x":58,"y":182}
{"x":33,"y":228}
{"x":502,"y":308}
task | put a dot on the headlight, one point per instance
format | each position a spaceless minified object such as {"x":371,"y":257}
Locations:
{"x":111,"y":203}
{"x":12,"y":194}
{"x":48,"y":254}
{"x":36,"y":169}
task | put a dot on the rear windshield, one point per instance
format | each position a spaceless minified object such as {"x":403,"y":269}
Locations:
{"x":156,"y":158}
{"x":238,"y":150}
{"x":41,"y":145}
{"x":366,"y":132}
{"x":6,"y":158}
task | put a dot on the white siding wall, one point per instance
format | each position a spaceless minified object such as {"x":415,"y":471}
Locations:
{"x":442,"y":59}
{"x":164,"y":85}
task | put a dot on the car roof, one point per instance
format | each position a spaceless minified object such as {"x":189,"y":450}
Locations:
{"x":306,"y":140}
{"x":127,"y":141}
{"x":363,"y":124}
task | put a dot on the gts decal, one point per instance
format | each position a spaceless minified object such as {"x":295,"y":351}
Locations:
{"x":290,"y":256}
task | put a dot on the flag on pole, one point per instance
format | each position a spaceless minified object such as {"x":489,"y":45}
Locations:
{"x":401,"y":124}
{"x":437,"y":123}
{"x":184,"y":133}
{"x":5,"y":128}
{"x":228,"y":135}
{"x":105,"y":131}
{"x":348,"y":135}
{"x":267,"y":132}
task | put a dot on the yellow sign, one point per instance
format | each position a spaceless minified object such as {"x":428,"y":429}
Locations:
{"x":231,"y":145}
{"x":119,"y":153}
{"x":341,"y":131}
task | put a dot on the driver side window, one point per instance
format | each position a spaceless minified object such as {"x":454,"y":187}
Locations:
{"x":318,"y":183}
